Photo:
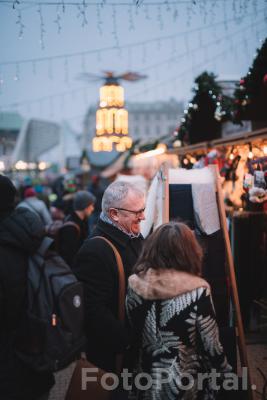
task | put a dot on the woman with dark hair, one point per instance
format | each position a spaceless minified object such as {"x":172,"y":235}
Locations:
{"x":170,"y":311}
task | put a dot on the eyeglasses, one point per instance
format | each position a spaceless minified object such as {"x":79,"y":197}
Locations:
{"x":136,"y":213}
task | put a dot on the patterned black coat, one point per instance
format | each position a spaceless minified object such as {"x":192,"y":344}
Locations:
{"x":96,"y":267}
{"x":176,"y":335}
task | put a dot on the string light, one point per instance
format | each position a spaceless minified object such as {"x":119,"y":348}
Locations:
{"x":99,"y":20}
{"x":135,"y":44}
{"x":15,"y":3}
{"x":20,"y":24}
{"x":42,"y":28}
{"x":58,"y":21}
{"x":130,"y":20}
{"x":114,"y":30}
{"x":160,"y":19}
{"x":167,"y":5}
{"x":176,"y":14}
{"x":147,"y":16}
{"x":231,"y":156}
{"x":16,"y":76}
{"x":173,"y":79}
{"x":82,"y":13}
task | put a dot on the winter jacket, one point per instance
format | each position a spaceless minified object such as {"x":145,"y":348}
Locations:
{"x":175,"y":334}
{"x":96,"y":267}
{"x":21,"y":233}
{"x":38,"y":207}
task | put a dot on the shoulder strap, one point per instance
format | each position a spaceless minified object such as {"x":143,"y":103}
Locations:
{"x":71,"y":223}
{"x":121,"y":273}
{"x":46,"y":243}
{"x":121,"y":294}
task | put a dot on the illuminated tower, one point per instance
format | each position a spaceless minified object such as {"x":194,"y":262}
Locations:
{"x":111,"y":118}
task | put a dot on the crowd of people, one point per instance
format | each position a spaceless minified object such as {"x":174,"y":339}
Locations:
{"x":170,"y":320}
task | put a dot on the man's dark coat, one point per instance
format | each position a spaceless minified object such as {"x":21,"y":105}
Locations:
{"x":21,"y":233}
{"x":96,"y":267}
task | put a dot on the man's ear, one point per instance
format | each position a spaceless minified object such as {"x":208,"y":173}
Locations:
{"x":113,"y":214}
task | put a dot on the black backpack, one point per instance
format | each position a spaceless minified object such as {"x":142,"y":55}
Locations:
{"x":51,"y":332}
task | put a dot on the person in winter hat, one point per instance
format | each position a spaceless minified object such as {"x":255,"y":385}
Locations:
{"x":21,"y":233}
{"x":36,"y":206}
{"x":75,"y":228}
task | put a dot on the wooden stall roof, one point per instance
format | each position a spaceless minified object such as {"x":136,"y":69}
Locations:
{"x":258,"y":135}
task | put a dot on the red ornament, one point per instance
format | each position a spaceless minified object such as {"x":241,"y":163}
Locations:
{"x":265,"y":80}
{"x":242,"y":82}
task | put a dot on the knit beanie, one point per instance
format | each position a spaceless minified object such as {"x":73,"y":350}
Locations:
{"x":7,"y":193}
{"x":29,"y":192}
{"x":82,"y":200}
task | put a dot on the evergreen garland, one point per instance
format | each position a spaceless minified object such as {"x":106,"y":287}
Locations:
{"x":207,"y":110}
{"x":251,"y":94}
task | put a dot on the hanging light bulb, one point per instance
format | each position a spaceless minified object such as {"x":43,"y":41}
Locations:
{"x":231,"y":156}
{"x":250,"y":153}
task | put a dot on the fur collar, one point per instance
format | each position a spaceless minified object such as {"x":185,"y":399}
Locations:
{"x":165,"y":283}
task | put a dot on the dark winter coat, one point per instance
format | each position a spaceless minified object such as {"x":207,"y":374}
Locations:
{"x":96,"y":267}
{"x":21,"y":233}
{"x":175,"y":333}
{"x":70,"y":237}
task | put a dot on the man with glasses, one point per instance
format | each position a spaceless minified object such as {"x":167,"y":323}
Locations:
{"x":123,"y":207}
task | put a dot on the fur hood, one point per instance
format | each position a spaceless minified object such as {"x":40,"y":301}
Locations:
{"x":165,"y":284}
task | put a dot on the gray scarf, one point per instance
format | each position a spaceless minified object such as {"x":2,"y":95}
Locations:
{"x":106,"y":219}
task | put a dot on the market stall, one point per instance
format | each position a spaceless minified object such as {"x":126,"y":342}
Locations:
{"x":242,"y":162}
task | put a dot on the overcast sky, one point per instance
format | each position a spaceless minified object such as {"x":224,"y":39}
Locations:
{"x":45,"y":47}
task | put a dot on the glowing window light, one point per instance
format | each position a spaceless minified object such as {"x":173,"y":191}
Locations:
{"x":100,"y":121}
{"x":21,"y":165}
{"x":102,"y":144}
{"x":111,"y":96}
{"x":42,"y":165}
{"x":121,"y":121}
{"x":114,"y":139}
{"x":124,"y":144}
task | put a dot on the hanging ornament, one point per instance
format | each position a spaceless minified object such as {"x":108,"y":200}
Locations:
{"x":265,"y":80}
{"x":219,"y":113}
{"x":242,"y":82}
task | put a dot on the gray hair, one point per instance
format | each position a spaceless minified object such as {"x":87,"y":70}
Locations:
{"x":116,"y":193}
